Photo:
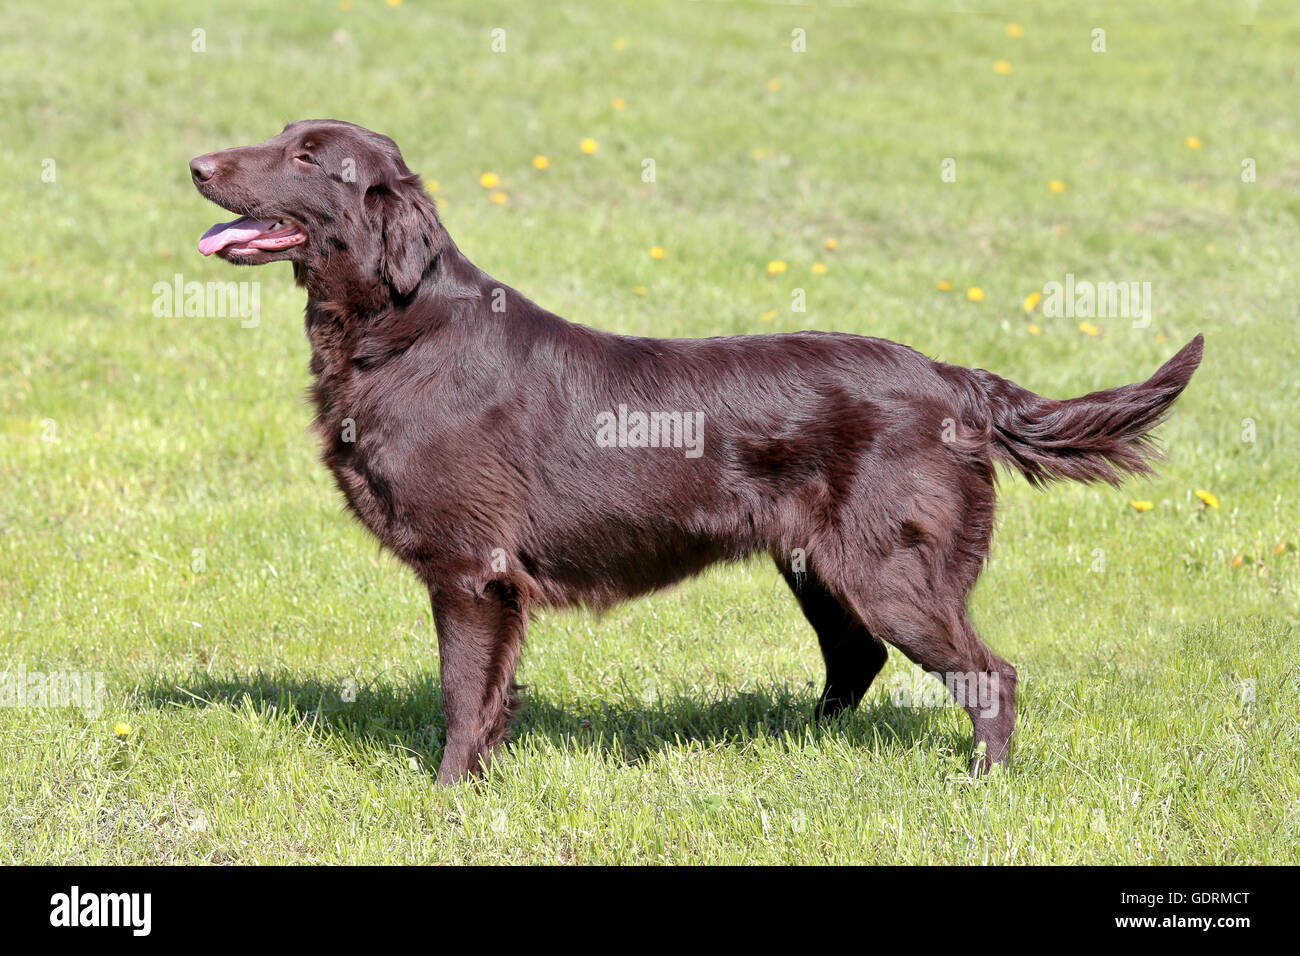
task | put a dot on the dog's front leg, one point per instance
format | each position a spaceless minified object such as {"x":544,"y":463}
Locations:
{"x":481,"y":625}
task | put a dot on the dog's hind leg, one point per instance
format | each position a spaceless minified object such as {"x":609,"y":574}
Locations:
{"x":931,"y":627}
{"x":853,"y":656}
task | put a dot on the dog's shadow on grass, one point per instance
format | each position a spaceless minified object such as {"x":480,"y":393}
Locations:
{"x":625,"y":727}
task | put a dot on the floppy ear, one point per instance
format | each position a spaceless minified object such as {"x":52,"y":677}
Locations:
{"x":410,"y":236}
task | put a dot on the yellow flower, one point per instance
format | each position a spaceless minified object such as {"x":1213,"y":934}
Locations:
{"x":975,"y":294}
{"x":1015,"y":30}
{"x":394,"y":3}
{"x":1057,"y":186}
{"x":431,"y":185}
{"x":618,"y":103}
{"x":588,"y":146}
{"x":1160,"y":337}
{"x":121,"y":729}
{"x":1032,"y":300}
{"x":1236,"y":560}
{"x":1002,"y":66}
{"x":639,"y":290}
{"x":769,"y":315}
{"x":773,"y":85}
{"x":1281,"y":548}
{"x":619,"y":43}
{"x":761,"y":153}
{"x":1207,"y":497}
{"x":819,"y":268}
{"x":488,"y":180}
{"x":1087,"y":328}
{"x":1192,"y":142}
{"x":657,"y":252}
{"x":499,"y":198}
{"x":1141,"y":505}
{"x":1033,"y":329}
{"x":944,"y":285}
{"x":540,"y":162}
{"x":776,"y":267}
{"x":345,"y":5}
{"x":832,"y":244}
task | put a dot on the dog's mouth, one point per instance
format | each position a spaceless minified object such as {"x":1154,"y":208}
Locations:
{"x":245,"y":236}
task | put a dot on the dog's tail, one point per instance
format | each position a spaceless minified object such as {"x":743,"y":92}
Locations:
{"x":1098,"y":437}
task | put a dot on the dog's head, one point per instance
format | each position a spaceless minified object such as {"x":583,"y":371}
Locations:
{"x":335,"y":199}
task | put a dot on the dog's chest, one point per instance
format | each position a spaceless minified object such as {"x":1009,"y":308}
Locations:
{"x":358,"y":446}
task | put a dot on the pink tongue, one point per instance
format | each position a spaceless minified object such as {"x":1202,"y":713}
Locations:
{"x":241,"y":231}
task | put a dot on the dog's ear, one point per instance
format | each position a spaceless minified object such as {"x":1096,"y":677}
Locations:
{"x":410,"y":235}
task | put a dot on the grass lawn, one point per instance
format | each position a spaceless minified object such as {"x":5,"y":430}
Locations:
{"x":165,"y":522}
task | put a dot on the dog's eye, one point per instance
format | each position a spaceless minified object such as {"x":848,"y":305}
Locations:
{"x":305,"y":158}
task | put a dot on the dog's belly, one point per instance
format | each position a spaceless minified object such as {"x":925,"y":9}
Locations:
{"x":599,"y":566}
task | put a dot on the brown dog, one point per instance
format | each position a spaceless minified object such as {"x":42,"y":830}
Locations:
{"x":516,"y":460}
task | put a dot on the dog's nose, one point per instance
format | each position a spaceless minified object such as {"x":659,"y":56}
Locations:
{"x":202,"y":168}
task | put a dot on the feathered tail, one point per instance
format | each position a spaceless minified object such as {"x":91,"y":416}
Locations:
{"x":1098,"y":437}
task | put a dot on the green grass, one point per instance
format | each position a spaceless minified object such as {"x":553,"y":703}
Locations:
{"x":135,"y":449}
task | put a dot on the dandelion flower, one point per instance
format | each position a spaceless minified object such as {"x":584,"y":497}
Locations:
{"x":345,"y":5}
{"x":1192,"y":142}
{"x":819,"y":268}
{"x":1281,"y":548}
{"x":1032,"y":300}
{"x":1236,"y":560}
{"x":1015,"y":30}
{"x":1141,"y":505}
{"x":121,"y":729}
{"x":1087,"y":328}
{"x":657,"y":252}
{"x":769,"y":315}
{"x":394,"y":3}
{"x":431,"y":185}
{"x":1002,"y":66}
{"x":618,"y":103}
{"x":589,"y":146}
{"x":832,"y":244}
{"x":944,"y":285}
{"x":773,"y":85}
{"x":1033,"y":329}
{"x":1057,"y":186}
{"x":1208,"y":497}
{"x":975,"y":294}
{"x":619,"y":44}
{"x":639,"y":290}
{"x":499,"y":198}
{"x":761,"y":153}
{"x":488,"y":180}
{"x":540,"y":162}
{"x":776,"y":267}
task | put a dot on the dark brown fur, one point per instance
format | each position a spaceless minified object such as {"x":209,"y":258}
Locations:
{"x":864,"y":468}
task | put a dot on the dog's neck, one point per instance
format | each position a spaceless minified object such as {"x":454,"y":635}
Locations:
{"x":353,"y":327}
{"x":334,"y":290}
{"x":356,"y":282}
